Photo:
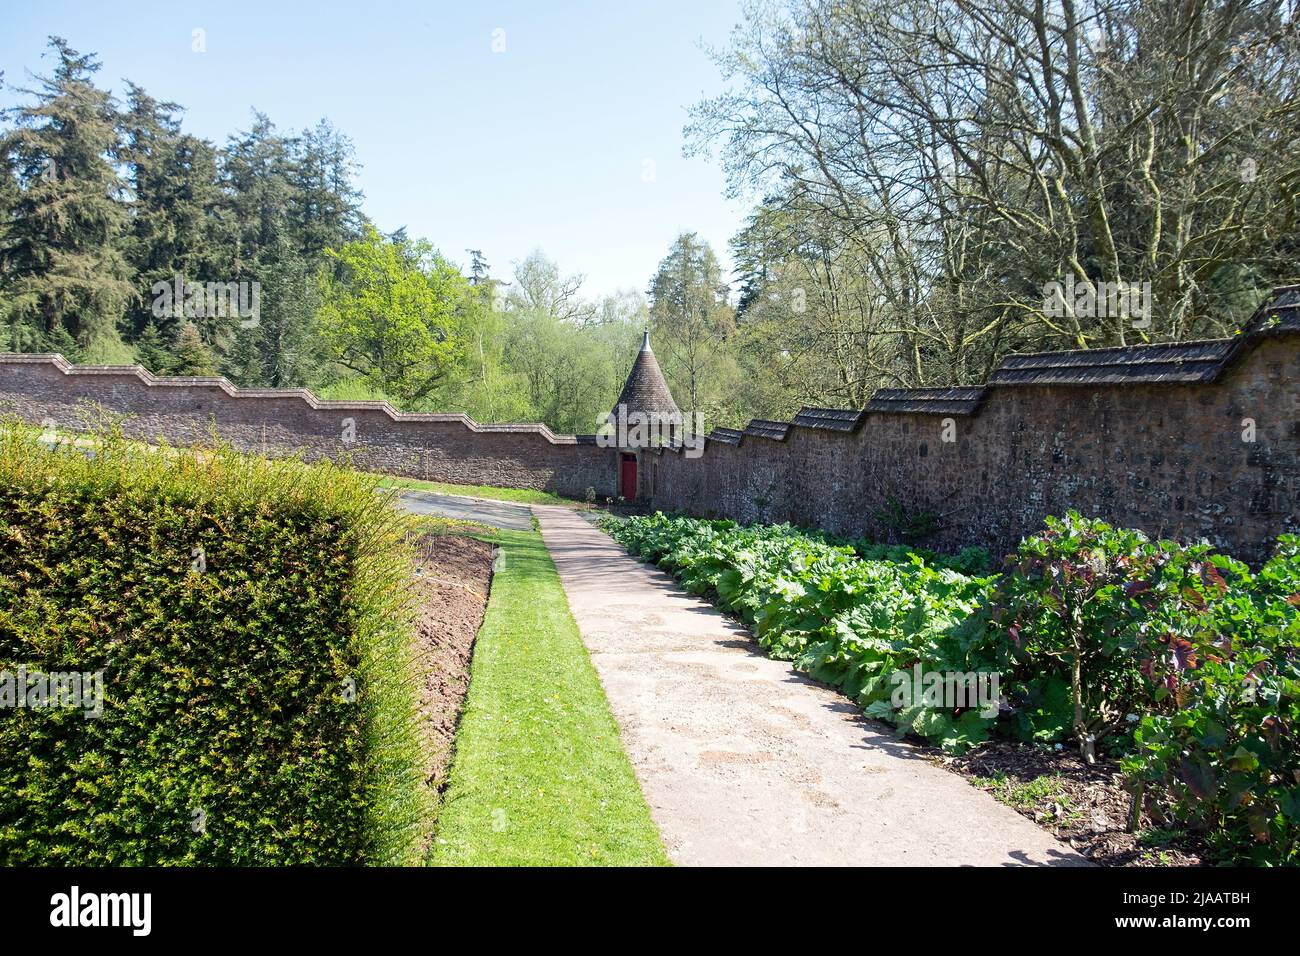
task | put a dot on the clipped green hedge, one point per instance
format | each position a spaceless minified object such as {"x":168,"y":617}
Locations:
{"x":257,"y":704}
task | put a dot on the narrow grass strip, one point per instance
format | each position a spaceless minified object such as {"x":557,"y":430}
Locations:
{"x":528,"y":496}
{"x":540,"y":776}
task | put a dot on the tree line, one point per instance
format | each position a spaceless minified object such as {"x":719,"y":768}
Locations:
{"x":935,"y":184}
{"x":124,"y":239}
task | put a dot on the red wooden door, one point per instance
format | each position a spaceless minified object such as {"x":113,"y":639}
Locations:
{"x":627,"y":478}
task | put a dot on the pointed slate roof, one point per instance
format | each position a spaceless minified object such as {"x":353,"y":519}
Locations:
{"x":645,"y":389}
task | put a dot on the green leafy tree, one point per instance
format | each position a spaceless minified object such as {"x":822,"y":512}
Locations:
{"x":393,"y":314}
{"x":484,"y":386}
{"x":815,"y":325}
{"x":539,"y":351}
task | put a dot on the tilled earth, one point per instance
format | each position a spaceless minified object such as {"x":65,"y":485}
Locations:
{"x":452,"y":580}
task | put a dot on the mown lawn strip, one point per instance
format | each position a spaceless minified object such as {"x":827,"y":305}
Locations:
{"x":540,"y":776}
{"x":528,"y":496}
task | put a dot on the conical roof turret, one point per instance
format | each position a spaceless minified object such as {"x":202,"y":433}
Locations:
{"x":646,"y":390}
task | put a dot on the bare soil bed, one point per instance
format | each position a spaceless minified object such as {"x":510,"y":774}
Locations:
{"x":1085,"y":806}
{"x":453,"y":575}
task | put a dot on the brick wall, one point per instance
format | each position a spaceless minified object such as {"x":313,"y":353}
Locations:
{"x":1151,"y":437}
{"x":1168,"y":458}
{"x":450,"y":448}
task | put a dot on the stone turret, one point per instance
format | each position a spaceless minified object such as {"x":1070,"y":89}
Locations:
{"x":645,"y":392}
{"x":645,"y":417}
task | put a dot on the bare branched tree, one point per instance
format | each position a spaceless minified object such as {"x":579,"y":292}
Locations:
{"x":970,"y":152}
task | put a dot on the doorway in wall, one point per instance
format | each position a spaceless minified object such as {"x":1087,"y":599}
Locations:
{"x":627,"y":476}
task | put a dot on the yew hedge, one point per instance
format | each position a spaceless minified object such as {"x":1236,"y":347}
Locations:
{"x":250,"y":617}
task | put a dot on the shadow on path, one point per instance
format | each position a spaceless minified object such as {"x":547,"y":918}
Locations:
{"x":746,"y":761}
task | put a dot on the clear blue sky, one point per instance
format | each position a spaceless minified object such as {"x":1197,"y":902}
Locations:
{"x":542,"y":145}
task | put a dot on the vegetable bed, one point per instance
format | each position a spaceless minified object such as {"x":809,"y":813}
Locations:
{"x":1177,"y":660}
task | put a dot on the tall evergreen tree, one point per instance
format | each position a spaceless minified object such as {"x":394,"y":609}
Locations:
{"x":324,"y":202}
{"x":176,"y":228}
{"x":692,"y":321}
{"x":478,"y":267}
{"x":243,"y":362}
{"x":260,"y":176}
{"x":292,"y":350}
{"x":151,"y":350}
{"x":191,"y":356}
{"x":10,"y":332}
{"x":255,"y":171}
{"x":63,"y":256}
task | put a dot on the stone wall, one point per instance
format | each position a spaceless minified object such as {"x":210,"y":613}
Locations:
{"x":1139,"y":448}
{"x":1194,"y":440}
{"x":451,"y":448}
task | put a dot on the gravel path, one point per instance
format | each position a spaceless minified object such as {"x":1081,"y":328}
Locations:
{"x":744,"y":761}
